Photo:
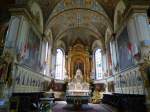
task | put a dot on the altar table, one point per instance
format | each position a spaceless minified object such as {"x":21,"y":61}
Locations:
{"x":77,"y":100}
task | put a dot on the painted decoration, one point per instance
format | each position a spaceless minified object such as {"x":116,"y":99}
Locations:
{"x":124,"y":49}
{"x":31,"y":50}
{"x":69,"y":4}
{"x":12,"y":33}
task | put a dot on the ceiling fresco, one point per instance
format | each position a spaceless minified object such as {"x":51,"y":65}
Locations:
{"x":49,"y":5}
{"x":84,"y":20}
{"x":78,"y":4}
{"x":78,"y":19}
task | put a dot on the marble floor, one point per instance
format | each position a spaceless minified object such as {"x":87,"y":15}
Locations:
{"x":62,"y":106}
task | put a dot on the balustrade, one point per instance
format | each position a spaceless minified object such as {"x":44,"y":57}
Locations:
{"x":129,"y":82}
{"x":27,"y":80}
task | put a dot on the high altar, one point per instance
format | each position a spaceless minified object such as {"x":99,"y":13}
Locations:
{"x":77,"y":87}
{"x":78,"y":66}
{"x":78,"y":91}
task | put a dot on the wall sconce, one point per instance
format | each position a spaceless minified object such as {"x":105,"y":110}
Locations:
{"x":148,"y":14}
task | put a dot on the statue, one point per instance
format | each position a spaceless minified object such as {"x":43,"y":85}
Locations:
{"x":77,"y":84}
{"x":78,"y":91}
{"x":6,"y":62}
{"x":78,"y":75}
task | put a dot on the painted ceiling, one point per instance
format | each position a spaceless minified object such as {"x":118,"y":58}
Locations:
{"x":84,"y":20}
{"x":49,"y":5}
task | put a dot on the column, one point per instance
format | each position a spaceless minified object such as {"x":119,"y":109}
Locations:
{"x":66,"y":66}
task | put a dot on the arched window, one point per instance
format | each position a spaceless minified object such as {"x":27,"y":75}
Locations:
{"x":98,"y":64}
{"x":59,"y":74}
{"x":46,"y":58}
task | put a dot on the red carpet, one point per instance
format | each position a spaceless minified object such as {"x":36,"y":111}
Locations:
{"x":62,"y":106}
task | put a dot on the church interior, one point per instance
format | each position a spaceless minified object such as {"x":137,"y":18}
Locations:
{"x":75,"y":56}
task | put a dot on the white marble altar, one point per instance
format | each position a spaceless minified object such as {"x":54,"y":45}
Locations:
{"x":78,"y":87}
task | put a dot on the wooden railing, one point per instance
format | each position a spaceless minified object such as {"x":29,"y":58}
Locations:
{"x":27,"y":80}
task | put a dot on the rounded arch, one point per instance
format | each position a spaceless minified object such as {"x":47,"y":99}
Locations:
{"x":63,"y":17}
{"x":60,"y":51}
{"x":98,"y":63}
{"x":97,"y":44}
{"x":60,"y":44}
{"x":64,"y":5}
{"x":93,"y":32}
{"x":79,"y":18}
{"x":84,"y":9}
{"x":60,"y":65}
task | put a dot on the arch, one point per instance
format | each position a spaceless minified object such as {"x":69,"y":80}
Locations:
{"x":86,"y":9}
{"x":60,"y":44}
{"x":70,"y":4}
{"x":79,"y":6}
{"x":97,"y":44}
{"x":94,"y":33}
{"x":59,"y":70}
{"x":99,"y":14}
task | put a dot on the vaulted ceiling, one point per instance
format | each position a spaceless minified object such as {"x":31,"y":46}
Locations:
{"x":70,"y":20}
{"x":85,"y":20}
{"x":49,"y":5}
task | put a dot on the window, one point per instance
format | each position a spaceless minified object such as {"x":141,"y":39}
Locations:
{"x":59,"y":74}
{"x":98,"y":63}
{"x":46,"y":69}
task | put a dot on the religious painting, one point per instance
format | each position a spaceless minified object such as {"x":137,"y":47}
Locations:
{"x":12,"y":33}
{"x":109,"y":60}
{"x":125,"y":50}
{"x":32,"y":50}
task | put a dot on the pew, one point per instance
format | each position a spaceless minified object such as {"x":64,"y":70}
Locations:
{"x":27,"y":102}
{"x":127,"y":102}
